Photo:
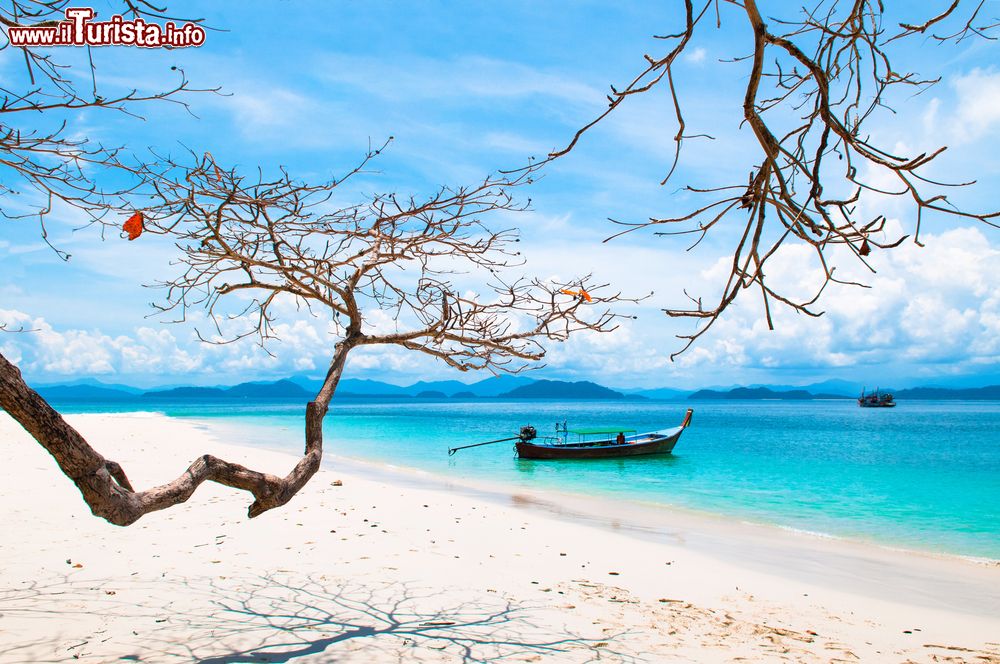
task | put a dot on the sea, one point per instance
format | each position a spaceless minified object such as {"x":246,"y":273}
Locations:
{"x":924,"y":475}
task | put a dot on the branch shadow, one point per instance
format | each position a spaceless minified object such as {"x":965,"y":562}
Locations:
{"x":279,"y":617}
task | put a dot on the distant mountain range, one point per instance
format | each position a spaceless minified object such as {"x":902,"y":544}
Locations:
{"x":86,"y":393}
{"x":763,"y":393}
{"x":666,"y":393}
{"x":281,"y":389}
{"x":557,"y":389}
{"x":303,"y":388}
{"x":354,"y":387}
{"x":989,"y":393}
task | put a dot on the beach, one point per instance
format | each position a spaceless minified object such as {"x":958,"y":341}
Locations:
{"x":370,"y":565}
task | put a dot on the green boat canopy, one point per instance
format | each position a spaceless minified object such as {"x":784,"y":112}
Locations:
{"x":589,"y":432}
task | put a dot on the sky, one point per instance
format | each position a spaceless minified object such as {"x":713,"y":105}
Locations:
{"x":465,"y":89}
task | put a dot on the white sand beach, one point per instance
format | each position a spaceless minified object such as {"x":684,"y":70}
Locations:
{"x":366,"y":567}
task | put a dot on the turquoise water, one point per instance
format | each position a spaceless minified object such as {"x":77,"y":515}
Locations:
{"x":925,"y":475}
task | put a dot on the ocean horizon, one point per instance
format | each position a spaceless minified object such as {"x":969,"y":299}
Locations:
{"x":922,"y":476}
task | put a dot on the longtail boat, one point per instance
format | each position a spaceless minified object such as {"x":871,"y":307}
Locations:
{"x":621,"y":443}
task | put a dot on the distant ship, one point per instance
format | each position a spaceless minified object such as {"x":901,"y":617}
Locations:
{"x":876,"y":400}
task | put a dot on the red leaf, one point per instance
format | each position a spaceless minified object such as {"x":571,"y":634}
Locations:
{"x":134,"y":226}
{"x":865,"y":249}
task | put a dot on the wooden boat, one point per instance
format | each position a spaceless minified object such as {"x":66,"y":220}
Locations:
{"x":620,"y":445}
{"x":876,"y":400}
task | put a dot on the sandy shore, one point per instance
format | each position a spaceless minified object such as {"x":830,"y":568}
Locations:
{"x":383,"y":570}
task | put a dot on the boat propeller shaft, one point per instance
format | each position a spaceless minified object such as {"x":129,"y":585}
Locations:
{"x":527,"y":433}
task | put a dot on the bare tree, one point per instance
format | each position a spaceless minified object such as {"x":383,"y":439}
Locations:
{"x":268,"y":240}
{"x":259,"y":242}
{"x":817,"y":77}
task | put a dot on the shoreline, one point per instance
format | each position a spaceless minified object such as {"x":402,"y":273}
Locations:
{"x":373,"y":570}
{"x":498,"y":492}
{"x":706,"y":532}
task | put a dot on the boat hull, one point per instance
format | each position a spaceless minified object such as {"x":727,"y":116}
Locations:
{"x":659,"y":442}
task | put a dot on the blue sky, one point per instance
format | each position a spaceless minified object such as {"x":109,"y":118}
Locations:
{"x":468,"y":88}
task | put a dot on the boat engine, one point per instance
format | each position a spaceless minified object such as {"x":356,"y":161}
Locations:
{"x":527,"y":433}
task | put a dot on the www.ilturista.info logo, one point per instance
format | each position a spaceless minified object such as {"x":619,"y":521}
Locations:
{"x":79,"y":30}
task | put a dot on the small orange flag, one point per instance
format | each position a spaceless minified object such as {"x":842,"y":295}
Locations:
{"x":133,"y":226}
{"x":582,"y":293}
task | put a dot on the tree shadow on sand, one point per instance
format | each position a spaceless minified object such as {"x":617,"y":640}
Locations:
{"x":285,"y":617}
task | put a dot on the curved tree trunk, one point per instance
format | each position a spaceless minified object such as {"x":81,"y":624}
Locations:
{"x":105,"y":486}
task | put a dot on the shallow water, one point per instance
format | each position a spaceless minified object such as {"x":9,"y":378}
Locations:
{"x":924,"y":475}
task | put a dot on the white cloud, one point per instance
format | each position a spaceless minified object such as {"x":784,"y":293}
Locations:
{"x":302,"y":344}
{"x":696,"y":56}
{"x":11,"y":352}
{"x":977,"y":107}
{"x":930,"y":305}
{"x":269,"y":109}
{"x":155,"y":351}
{"x":465,"y":79}
{"x":41,"y":348}
{"x":14,"y":320}
{"x":71,"y":352}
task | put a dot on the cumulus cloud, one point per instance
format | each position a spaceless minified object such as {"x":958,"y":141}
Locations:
{"x":161,"y":355}
{"x":40,"y":348}
{"x":977,"y":106}
{"x":919,"y":313}
{"x":932,"y":305}
{"x":615,"y":358}
{"x":934,"y":309}
{"x":11,"y":352}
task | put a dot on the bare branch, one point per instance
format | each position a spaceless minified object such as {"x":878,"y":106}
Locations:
{"x":247,"y":244}
{"x":279,"y":240}
{"x":41,"y":161}
{"x":814,"y":80}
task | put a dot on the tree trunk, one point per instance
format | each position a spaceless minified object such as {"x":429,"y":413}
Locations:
{"x":105,"y":486}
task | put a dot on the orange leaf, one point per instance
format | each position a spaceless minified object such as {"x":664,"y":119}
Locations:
{"x":584,"y":295}
{"x":134,"y":226}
